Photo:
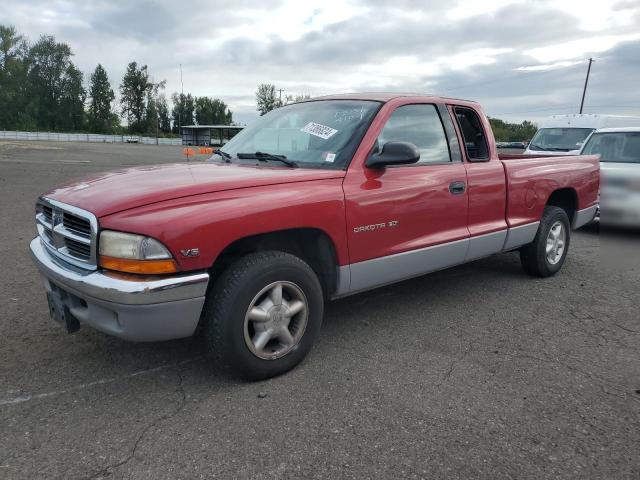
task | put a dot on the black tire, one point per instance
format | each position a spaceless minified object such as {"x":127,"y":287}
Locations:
{"x":232,"y":294}
{"x":534,"y":255}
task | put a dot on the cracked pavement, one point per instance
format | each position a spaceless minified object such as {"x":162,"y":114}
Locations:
{"x":474,"y":372}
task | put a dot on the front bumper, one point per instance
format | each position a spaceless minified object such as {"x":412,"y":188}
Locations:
{"x":141,"y":309}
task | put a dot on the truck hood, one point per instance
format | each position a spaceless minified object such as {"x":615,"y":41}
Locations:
{"x":119,"y":190}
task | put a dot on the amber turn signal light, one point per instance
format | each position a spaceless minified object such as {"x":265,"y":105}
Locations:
{"x":145,"y":267}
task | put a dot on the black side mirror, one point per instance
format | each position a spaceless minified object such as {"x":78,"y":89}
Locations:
{"x":394,"y":153}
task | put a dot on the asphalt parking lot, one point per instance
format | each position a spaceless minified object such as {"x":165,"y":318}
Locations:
{"x":475,"y":372}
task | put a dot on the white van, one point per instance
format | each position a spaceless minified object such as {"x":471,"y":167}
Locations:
{"x":565,"y":134}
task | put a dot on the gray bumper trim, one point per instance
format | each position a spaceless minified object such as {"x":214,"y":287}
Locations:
{"x":113,"y":287}
{"x":521,"y":235}
{"x":402,"y":266}
{"x":582,"y":217}
{"x":144,"y":310}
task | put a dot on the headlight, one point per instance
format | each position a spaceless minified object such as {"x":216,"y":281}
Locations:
{"x":128,"y":252}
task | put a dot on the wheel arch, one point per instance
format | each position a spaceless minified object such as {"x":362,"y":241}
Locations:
{"x":312,"y":245}
{"x":567,"y":199}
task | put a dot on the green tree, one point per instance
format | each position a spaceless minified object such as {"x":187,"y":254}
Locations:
{"x":151,"y":121}
{"x":71,"y":114}
{"x":151,"y":116}
{"x":266,"y":98}
{"x":54,"y":86}
{"x":10,"y":43}
{"x":163,"y":114}
{"x":13,"y":80}
{"x":100,"y":116}
{"x":212,"y":111}
{"x":134,"y":93}
{"x":183,"y":110}
{"x":527,"y":130}
{"x":512,"y":132}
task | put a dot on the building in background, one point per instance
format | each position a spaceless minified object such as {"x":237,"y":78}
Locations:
{"x":208,"y":135}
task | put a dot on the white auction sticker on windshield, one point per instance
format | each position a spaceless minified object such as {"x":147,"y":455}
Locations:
{"x":319,"y":130}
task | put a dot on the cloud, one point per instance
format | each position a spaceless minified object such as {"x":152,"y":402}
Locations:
{"x":520,"y":59}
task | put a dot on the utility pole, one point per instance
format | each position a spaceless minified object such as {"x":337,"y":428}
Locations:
{"x":586,"y":82}
{"x":181,"y":82}
{"x":181,"y":105}
{"x":280,"y":90}
{"x":157,"y":122}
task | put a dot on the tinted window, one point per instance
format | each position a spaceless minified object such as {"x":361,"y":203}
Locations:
{"x":475,"y":140}
{"x":614,"y":147}
{"x":420,"y":125}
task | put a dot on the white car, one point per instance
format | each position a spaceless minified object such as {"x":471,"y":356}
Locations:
{"x":565,"y":134}
{"x":619,"y":150}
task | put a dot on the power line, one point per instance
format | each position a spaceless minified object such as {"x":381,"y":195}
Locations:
{"x":565,"y":106}
{"x":615,"y":106}
{"x":521,"y":73}
{"x":546,"y":109}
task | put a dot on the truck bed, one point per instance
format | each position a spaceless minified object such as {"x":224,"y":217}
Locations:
{"x":531,"y":180}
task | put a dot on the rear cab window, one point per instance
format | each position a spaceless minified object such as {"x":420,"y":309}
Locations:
{"x":475,"y":140}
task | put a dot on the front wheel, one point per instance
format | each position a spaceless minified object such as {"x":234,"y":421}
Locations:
{"x":263,"y":314}
{"x":546,"y":254}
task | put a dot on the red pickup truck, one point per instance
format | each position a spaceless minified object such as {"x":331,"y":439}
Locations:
{"x":315,"y":201}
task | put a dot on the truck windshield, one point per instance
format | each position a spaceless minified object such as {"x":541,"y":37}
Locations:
{"x":559,"y":139}
{"x":321,"y":133}
{"x":619,"y":147}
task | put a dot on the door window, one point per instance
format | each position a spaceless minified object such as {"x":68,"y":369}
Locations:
{"x":420,"y":125}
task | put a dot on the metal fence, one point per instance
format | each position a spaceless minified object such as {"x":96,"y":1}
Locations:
{"x":87,"y":137}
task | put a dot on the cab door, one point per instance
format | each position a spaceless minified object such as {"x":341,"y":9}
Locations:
{"x":405,"y":221}
{"x":486,"y":184}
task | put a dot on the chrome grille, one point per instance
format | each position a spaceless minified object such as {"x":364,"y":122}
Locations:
{"x":78,"y":225}
{"x":78,"y":249}
{"x":68,"y":232}
{"x":47,"y":212}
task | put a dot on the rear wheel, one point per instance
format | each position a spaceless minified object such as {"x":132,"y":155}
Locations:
{"x":263,"y":314}
{"x":546,"y":254}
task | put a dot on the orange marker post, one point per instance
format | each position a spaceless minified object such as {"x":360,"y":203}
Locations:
{"x":188,"y":152}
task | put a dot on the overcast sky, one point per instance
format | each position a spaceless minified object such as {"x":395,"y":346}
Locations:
{"x":520,"y":59}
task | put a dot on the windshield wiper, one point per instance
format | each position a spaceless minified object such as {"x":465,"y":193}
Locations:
{"x":533,"y":146}
{"x":225,"y":156}
{"x":536,"y":147}
{"x":263,"y":157}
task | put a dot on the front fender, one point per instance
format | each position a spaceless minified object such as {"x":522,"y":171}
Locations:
{"x":210,"y":222}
